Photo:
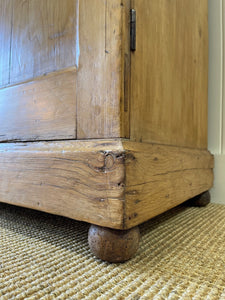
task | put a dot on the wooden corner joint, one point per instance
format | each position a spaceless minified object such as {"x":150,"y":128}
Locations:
{"x":113,"y":183}
{"x":157,"y":178}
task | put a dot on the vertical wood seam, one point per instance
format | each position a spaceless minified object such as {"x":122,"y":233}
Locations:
{"x":77,"y":65}
{"x":126,"y":71}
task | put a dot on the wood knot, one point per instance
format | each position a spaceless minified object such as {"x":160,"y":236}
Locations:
{"x":109,"y":161}
{"x":130,"y":157}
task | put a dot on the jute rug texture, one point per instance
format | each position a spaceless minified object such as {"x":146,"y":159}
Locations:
{"x":181,"y":256}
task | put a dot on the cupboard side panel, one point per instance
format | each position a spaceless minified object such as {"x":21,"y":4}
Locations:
{"x":169,"y":73}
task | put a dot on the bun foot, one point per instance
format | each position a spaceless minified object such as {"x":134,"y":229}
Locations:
{"x":200,"y":200}
{"x":113,"y":245}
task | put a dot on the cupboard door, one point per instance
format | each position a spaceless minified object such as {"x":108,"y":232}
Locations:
{"x":169,"y":72}
{"x":38,"y":69}
{"x":65,"y":68}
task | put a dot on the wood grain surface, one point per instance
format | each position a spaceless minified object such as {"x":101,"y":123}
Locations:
{"x":44,"y":109}
{"x":111,"y":183}
{"x":46,"y":36}
{"x":99,"y":76}
{"x":79,"y":180}
{"x":41,"y":35}
{"x":126,"y":71}
{"x":157,"y":93}
{"x":169,"y":73}
{"x":5,"y":40}
{"x":159,"y":177}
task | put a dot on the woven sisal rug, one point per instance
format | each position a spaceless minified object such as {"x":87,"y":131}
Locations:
{"x":181,"y":256}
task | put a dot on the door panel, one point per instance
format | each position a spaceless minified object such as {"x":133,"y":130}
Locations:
{"x":43,"y":109}
{"x":65,"y":69}
{"x":38,"y":69}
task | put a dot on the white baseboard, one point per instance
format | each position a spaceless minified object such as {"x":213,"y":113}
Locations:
{"x":218,"y":190}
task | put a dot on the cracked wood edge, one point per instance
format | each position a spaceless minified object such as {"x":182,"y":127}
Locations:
{"x":160,"y":177}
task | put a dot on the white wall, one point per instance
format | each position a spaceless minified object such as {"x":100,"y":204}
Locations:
{"x":216,"y":125}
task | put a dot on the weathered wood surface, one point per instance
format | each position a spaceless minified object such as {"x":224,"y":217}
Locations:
{"x":169,"y":73}
{"x":111,"y":183}
{"x":165,"y":99}
{"x":100,"y":63}
{"x":164,"y":192}
{"x":126,"y":70}
{"x":5,"y":40}
{"x":44,"y":109}
{"x":80,"y":180}
{"x":160,"y":177}
{"x":42,"y":37}
{"x":37,"y":37}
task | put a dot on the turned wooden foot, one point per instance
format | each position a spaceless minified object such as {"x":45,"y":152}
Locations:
{"x":113,"y":245}
{"x":200,"y":200}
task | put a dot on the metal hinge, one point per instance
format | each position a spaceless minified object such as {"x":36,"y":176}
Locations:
{"x":132,"y":29}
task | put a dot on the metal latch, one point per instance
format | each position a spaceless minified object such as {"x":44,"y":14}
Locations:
{"x":132,"y":29}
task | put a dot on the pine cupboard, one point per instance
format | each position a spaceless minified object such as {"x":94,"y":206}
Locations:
{"x":103,"y":112}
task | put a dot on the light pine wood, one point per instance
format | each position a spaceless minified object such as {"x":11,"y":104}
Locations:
{"x":91,"y":36}
{"x":160,"y":177}
{"x":164,"y":192}
{"x":44,"y":109}
{"x":68,"y":73}
{"x":43,"y":37}
{"x":5,"y":40}
{"x":166,"y":96}
{"x":169,"y":72}
{"x":99,"y":76}
{"x":126,"y":69}
{"x":111,"y":183}
{"x":80,"y":180}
